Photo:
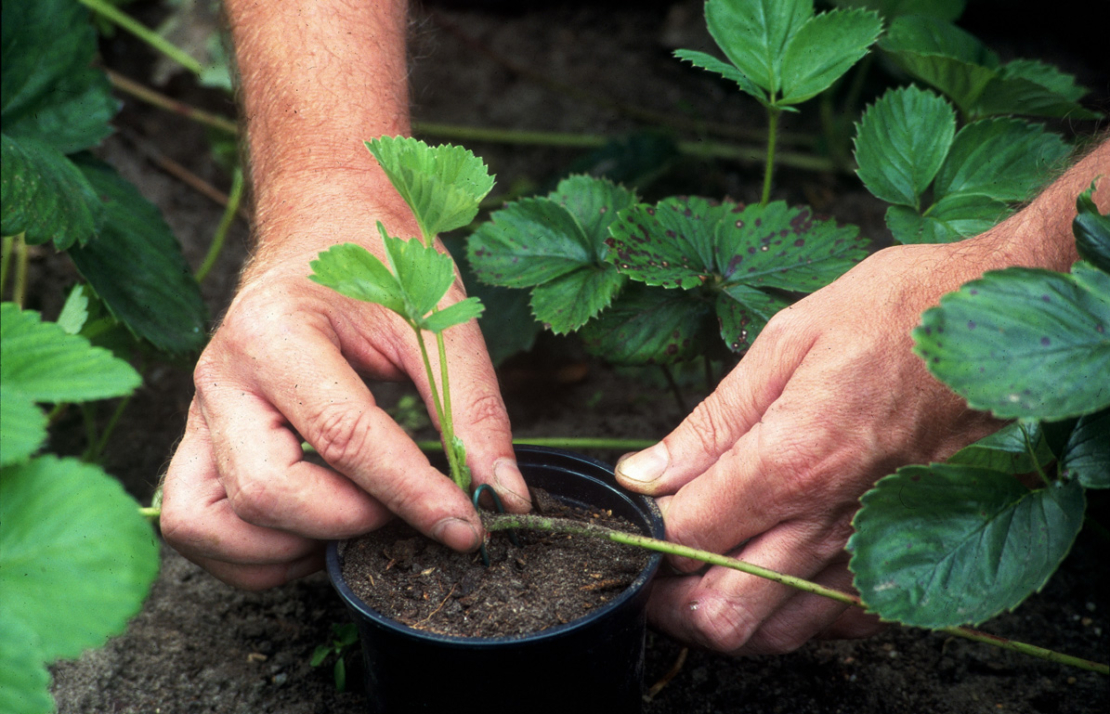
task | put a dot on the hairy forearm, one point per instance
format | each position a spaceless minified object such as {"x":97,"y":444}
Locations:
{"x":317,"y":77}
{"x":1040,"y":235}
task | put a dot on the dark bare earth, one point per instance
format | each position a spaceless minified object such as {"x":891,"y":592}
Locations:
{"x":200,"y":646}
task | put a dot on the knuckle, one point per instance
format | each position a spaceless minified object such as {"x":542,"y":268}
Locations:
{"x":486,"y":412}
{"x":720,"y":623}
{"x":255,"y":500}
{"x":711,"y":426}
{"x":342,"y":435}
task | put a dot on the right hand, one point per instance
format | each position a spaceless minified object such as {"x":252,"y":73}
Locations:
{"x":288,"y":363}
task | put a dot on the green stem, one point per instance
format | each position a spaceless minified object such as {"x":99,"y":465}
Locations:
{"x":772,"y":131}
{"x":93,"y":453}
{"x":234,"y":198}
{"x":494,"y":522}
{"x":145,"y":94}
{"x":447,"y":421}
{"x":152,"y":38}
{"x":22,"y":258}
{"x":565,"y":443}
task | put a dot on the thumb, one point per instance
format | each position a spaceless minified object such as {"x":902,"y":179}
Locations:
{"x":716,"y":424}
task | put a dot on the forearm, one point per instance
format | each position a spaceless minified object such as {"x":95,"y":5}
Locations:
{"x":317,"y":78}
{"x":1040,"y":235}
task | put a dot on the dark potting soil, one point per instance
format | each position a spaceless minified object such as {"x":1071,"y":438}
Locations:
{"x":549,"y":579}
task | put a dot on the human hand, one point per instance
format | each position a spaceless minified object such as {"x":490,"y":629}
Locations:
{"x":287,"y":363}
{"x":770,"y":467}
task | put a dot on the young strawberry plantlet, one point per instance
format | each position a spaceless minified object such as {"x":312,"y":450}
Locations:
{"x":782,"y":54}
{"x":442,"y":186}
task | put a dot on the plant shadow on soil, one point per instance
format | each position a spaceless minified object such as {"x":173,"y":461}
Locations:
{"x":200,"y":646}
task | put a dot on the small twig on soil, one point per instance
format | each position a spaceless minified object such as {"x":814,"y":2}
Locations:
{"x":666,"y":678}
{"x":560,"y":525}
{"x":440,"y":607}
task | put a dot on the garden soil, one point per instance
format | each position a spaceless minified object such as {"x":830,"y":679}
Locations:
{"x":201,"y":646}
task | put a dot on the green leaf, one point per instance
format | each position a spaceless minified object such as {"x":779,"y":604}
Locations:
{"x":463,"y":476}
{"x":1005,"y":450}
{"x":24,"y":681}
{"x":743,"y":312}
{"x":77,"y":558}
{"x":319,"y":655}
{"x":443,"y":185}
{"x":1005,"y":159}
{"x":43,"y":363}
{"x":462,"y":311}
{"x":566,"y":303}
{"x":944,"y":9}
{"x":1034,"y":89}
{"x":671,"y":244}
{"x":823,"y":49}
{"x":901,"y":142}
{"x":340,"y":673}
{"x":942,"y":55}
{"x":1023,"y":342}
{"x":1092,"y":231}
{"x":527,"y":243}
{"x":48,"y":92}
{"x":353,"y":271}
{"x":594,"y":203}
{"x":939,"y":546}
{"x":136,"y":266}
{"x":778,"y":246}
{"x":952,"y":218}
{"x":24,"y":426}
{"x":75,"y":312}
{"x":753,"y":34}
{"x":651,"y":326}
{"x":1086,"y":456}
{"x":423,"y":273}
{"x":44,"y":195}
{"x":726,"y":70}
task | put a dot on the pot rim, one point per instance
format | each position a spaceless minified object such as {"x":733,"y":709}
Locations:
{"x":644,"y":504}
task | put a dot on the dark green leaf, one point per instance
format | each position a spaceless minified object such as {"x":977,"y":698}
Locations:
{"x":1011,"y":93}
{"x":72,"y":535}
{"x":753,"y":34}
{"x":743,"y":313}
{"x":1006,"y":450}
{"x":44,"y":364}
{"x":340,"y":675}
{"x":566,"y":303}
{"x":443,"y":185}
{"x":528,"y":243}
{"x":726,"y":70}
{"x":671,"y":244}
{"x":635,"y":159}
{"x":651,"y":326}
{"x":901,"y":143}
{"x":1092,"y":231}
{"x":1087,"y":453}
{"x":939,"y":546}
{"x":952,"y":218}
{"x":44,"y":196}
{"x":319,"y":655}
{"x":345,"y":635}
{"x":942,"y":55}
{"x":353,"y":271}
{"x":1023,"y":342}
{"x":49,"y":92}
{"x":944,"y":9}
{"x":1005,"y":159}
{"x":1047,"y":76}
{"x":594,"y":203}
{"x":136,"y":266}
{"x":823,"y":49}
{"x":778,"y":246}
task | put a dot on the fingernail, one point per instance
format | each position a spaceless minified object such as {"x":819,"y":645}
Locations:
{"x":646,"y":466}
{"x":456,"y":534}
{"x":506,"y":472}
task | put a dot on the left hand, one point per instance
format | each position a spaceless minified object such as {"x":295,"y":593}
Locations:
{"x":771,"y":466}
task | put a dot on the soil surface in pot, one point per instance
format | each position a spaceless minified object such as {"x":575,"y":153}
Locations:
{"x":550,"y":579}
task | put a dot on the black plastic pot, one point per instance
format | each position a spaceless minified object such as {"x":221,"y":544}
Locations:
{"x":592,"y":664}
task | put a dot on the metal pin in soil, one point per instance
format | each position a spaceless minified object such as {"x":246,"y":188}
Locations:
{"x":500,"y":509}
